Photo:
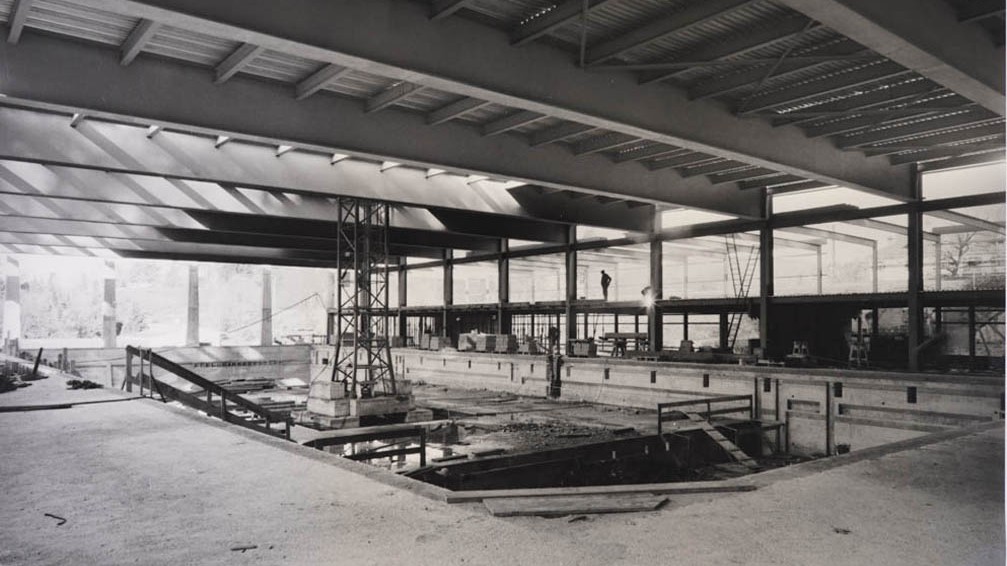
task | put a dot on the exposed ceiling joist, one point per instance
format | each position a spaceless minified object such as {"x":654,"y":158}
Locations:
{"x":677,"y":22}
{"x":234,"y":62}
{"x":160,"y":92}
{"x":396,"y":40}
{"x":454,"y":110}
{"x":137,"y":39}
{"x":319,"y":80}
{"x":932,"y":42}
{"x":741,"y":44}
{"x":16,"y":19}
{"x":102,"y":153}
{"x":561,"y":14}
{"x":392,"y":95}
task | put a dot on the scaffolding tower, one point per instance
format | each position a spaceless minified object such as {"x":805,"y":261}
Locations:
{"x":362,"y":357}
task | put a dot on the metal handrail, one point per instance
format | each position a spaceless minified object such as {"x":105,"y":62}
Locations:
{"x":708,"y":401}
{"x":211,"y":389}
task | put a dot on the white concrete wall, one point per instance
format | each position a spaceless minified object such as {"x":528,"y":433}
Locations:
{"x":873,"y":409}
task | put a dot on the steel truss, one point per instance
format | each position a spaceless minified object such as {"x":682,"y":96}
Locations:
{"x":363,"y":358}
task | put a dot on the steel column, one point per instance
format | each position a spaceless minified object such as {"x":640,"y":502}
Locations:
{"x":766,"y":274}
{"x":914,"y":248}
{"x":571,"y":286}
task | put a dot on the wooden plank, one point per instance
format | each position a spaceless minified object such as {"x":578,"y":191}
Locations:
{"x":679,"y":488}
{"x":553,"y":506}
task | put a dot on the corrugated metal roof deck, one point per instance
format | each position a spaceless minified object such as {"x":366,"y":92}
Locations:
{"x":747,"y":84}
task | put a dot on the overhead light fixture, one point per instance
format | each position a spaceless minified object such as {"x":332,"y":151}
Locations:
{"x":281,"y":149}
{"x":337,"y":157}
{"x":386,"y":165}
{"x":475,"y":179}
{"x":153,"y":131}
{"x":435,"y":172}
{"x":76,"y":120}
{"x":221,"y":140}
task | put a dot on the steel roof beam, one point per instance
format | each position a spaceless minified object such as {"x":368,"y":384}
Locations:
{"x":319,"y":80}
{"x":902,"y":93}
{"x":831,"y":235}
{"x":680,"y":161}
{"x":968,"y":220}
{"x":137,"y":39}
{"x":940,"y":138}
{"x":738,"y":45}
{"x":992,"y":149}
{"x":964,"y":161}
{"x":236,"y":61}
{"x":823,"y":87}
{"x":395,"y":39}
{"x":720,"y":86}
{"x":961,"y":119}
{"x":83,"y":187}
{"x":44,"y":137}
{"x":510,"y":122}
{"x":16,"y":19}
{"x":649,"y":152}
{"x":559,"y":15}
{"x":677,"y":22}
{"x":454,"y":110}
{"x":931,"y":42}
{"x":390,"y":96}
{"x":440,"y":9}
{"x":980,"y":10}
{"x":559,"y":133}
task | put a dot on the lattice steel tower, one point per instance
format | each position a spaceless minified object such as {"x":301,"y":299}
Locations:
{"x":363,"y":358}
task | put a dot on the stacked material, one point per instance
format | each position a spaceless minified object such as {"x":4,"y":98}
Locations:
{"x":506,"y":344}
{"x":486,"y":343}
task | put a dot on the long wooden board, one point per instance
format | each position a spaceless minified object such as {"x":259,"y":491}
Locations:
{"x":679,"y":488}
{"x":554,"y":506}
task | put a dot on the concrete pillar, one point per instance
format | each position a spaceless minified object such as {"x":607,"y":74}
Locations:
{"x":915,"y":262}
{"x":266,"y":328}
{"x":192,"y":322}
{"x":766,"y":274}
{"x":12,"y":304}
{"x":571,"y":286}
{"x":503,"y":288}
{"x":108,"y":334}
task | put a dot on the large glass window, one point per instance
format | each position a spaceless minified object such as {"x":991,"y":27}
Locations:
{"x":537,"y":278}
{"x":859,"y":256}
{"x":628,"y":267}
{"x":426,"y":286}
{"x":711,"y":267}
{"x":476,"y":283}
{"x":964,"y":248}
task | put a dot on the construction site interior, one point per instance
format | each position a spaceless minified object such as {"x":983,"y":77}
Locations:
{"x":723,"y":281}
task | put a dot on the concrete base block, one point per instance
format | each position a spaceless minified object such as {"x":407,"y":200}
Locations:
{"x":419,"y":415}
{"x":322,"y":422}
{"x":381,"y":405}
{"x":328,"y":390}
{"x":403,"y":387}
{"x":329,"y":408}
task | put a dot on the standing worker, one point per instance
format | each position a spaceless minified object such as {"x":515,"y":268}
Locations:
{"x":606,"y":280}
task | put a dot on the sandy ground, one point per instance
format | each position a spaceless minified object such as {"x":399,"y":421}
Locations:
{"x":142,"y":483}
